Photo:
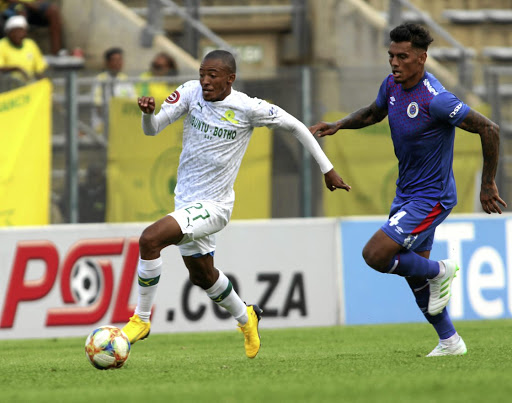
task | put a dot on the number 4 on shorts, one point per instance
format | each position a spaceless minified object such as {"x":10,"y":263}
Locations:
{"x":394,"y":220}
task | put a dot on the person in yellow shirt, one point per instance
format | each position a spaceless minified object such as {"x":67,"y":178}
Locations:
{"x":162,"y":65}
{"x":20,"y":56}
{"x":40,"y":13}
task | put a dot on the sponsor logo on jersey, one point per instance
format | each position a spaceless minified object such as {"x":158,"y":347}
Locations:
{"x":409,"y":241}
{"x":430,"y":89}
{"x":392,"y":100}
{"x":229,"y":116}
{"x":412,"y":110}
{"x":173,"y":98}
{"x":272,"y":112}
{"x":456,"y":110}
{"x":224,"y":133}
{"x":211,"y":131}
{"x":198,"y":124}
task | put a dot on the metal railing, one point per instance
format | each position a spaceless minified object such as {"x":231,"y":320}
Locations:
{"x":158,"y":8}
{"x":192,"y":12}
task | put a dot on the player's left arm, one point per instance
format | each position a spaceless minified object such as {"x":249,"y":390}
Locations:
{"x":489,"y":132}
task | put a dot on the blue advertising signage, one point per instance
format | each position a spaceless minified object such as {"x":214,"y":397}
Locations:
{"x":482,"y":289}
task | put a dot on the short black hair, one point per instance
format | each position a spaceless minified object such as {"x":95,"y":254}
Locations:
{"x":414,"y":33}
{"x":226,"y":57}
{"x":111,"y":52}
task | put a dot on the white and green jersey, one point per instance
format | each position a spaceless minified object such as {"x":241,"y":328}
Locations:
{"x":215,"y":137}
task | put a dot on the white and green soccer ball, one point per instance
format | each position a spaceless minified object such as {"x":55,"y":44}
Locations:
{"x":107,"y":347}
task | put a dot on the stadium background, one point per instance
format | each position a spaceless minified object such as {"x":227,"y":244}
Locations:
{"x":316,"y":59}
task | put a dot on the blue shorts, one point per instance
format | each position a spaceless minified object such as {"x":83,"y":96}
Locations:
{"x":413,"y":223}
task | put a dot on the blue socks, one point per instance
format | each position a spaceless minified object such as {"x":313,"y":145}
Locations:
{"x":441,"y":322}
{"x":410,"y":264}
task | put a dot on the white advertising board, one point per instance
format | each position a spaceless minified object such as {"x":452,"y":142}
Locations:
{"x":65,"y":280}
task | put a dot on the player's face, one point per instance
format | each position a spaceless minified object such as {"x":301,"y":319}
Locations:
{"x":407,"y":63}
{"x":216,"y":80}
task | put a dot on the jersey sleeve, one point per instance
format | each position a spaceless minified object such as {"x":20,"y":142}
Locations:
{"x":448,"y":108}
{"x":261,"y":113}
{"x":381,"y":100}
{"x":177,"y":103}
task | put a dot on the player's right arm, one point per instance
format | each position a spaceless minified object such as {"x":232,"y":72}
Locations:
{"x":151,"y":124}
{"x":146,"y":104}
{"x":363,"y":117}
{"x":175,"y":106}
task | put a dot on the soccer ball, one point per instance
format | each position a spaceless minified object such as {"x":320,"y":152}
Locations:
{"x":107,"y":347}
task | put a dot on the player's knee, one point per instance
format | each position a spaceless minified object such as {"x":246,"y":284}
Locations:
{"x":374,"y":259}
{"x":200,"y":279}
{"x":149,"y":242}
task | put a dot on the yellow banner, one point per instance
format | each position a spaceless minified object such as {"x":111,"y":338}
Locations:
{"x":25,"y":155}
{"x":141,"y":172}
{"x":365,"y":159}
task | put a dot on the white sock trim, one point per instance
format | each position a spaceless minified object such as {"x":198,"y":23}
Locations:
{"x":232,"y":302}
{"x":394,"y":266}
{"x":147,"y":269}
{"x":450,"y":341}
{"x":219,"y":286}
{"x":145,"y":265}
{"x":243,"y":319}
{"x":442,"y":270}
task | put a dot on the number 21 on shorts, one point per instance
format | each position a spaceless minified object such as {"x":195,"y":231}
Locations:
{"x":202,"y":213}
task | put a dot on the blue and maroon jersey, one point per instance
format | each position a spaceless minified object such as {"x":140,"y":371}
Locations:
{"x":422,"y":121}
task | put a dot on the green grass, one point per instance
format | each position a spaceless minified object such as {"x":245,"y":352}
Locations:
{"x":383,"y":363}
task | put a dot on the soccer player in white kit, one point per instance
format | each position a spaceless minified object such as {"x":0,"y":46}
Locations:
{"x":216,"y":132}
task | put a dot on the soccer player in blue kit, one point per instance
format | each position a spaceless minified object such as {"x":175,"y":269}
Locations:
{"x":422,"y":117}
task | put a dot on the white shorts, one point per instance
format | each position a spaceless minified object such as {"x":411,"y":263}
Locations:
{"x":199,"y":221}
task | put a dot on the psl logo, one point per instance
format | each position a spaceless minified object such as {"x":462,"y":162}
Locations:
{"x":74,"y":273}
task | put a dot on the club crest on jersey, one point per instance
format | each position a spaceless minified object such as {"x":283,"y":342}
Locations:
{"x":412,"y":110}
{"x":173,"y":98}
{"x":229,"y":116}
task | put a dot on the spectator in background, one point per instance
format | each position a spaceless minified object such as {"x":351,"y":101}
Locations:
{"x":40,"y":13}
{"x":162,"y":65}
{"x":20,"y":56}
{"x":113,"y":80}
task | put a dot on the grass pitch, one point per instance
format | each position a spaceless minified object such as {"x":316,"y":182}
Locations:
{"x":383,"y":363}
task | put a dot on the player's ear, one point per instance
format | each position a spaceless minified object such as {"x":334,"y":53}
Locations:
{"x":423,"y":57}
{"x":231,"y":78}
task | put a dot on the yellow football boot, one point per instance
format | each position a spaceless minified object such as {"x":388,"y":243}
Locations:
{"x":136,"y":329}
{"x":252,"y":341}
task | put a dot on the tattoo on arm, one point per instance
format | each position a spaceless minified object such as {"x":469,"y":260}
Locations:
{"x":489,"y":133}
{"x":363,"y":117}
